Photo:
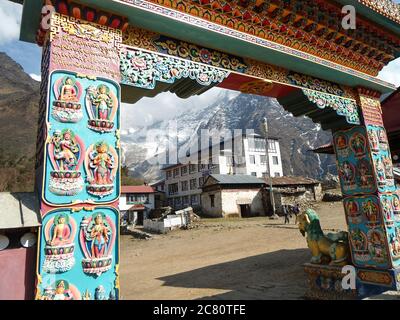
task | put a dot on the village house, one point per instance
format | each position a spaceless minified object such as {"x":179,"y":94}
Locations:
{"x":291,"y":191}
{"x":232,"y":196}
{"x":135,"y":203}
{"x":159,"y":196}
{"x":242,"y":156}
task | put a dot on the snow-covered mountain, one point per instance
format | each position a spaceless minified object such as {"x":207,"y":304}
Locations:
{"x":231,"y":111}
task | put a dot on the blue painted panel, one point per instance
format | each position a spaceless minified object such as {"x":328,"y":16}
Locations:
{"x":82,"y":152}
{"x":78,"y":251}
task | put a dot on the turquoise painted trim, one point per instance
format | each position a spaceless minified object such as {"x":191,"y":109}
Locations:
{"x":191,"y":29}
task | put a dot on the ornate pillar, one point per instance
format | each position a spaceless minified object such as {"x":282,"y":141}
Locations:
{"x":78,"y":162}
{"x":372,"y":203}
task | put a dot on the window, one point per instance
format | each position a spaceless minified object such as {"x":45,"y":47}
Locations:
{"x":275,"y":160}
{"x":176,"y":172}
{"x":256,"y":144}
{"x":252,"y":159}
{"x":194,"y":199}
{"x":177,"y":201}
{"x":184,"y":170}
{"x":201,"y":181}
{"x":193,"y":184}
{"x":254,"y":174}
{"x":137,"y":198}
{"x":277,"y":174}
{"x":172,"y":188}
{"x":169,"y":174}
{"x":263,"y":159}
{"x":271,"y":146}
{"x":212,"y":200}
{"x":185,"y":200}
{"x":184,"y":186}
{"x":192,"y":168}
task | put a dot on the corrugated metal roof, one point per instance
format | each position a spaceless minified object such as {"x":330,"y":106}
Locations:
{"x":19,"y":210}
{"x":236,"y":179}
{"x":137,"y":189}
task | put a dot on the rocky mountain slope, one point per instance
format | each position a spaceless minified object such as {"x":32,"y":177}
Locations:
{"x":19,"y":98}
{"x":231,"y":111}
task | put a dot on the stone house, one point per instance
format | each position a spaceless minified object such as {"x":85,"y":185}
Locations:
{"x":291,"y":191}
{"x":232,"y":196}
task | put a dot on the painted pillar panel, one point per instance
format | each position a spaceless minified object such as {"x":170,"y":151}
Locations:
{"x":372,"y":204}
{"x":79,"y":255}
{"x":78,"y":162}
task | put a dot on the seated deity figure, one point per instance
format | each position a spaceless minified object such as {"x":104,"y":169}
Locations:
{"x":61,"y":232}
{"x":68,"y":92}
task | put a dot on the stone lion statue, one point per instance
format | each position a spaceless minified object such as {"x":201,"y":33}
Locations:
{"x":330,"y":248}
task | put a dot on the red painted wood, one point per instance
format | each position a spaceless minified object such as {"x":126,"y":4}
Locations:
{"x":17,"y":280}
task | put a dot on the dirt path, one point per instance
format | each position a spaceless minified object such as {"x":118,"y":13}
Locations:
{"x":222,"y":259}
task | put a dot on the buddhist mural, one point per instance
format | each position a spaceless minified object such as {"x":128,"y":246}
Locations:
{"x":101,"y":105}
{"x":80,"y":247}
{"x":101,"y":166}
{"x":66,"y":106}
{"x":82,"y":137}
{"x":97,"y":238}
{"x":66,"y":155}
{"x":59,"y":233}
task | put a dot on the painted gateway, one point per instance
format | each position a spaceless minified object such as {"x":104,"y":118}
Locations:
{"x":96,"y":53}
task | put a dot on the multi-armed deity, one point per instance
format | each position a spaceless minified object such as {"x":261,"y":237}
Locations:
{"x":97,"y":237}
{"x":101,"y":105}
{"x":66,"y":107}
{"x":65,"y":152}
{"x":101,"y":165}
{"x":59,"y":250}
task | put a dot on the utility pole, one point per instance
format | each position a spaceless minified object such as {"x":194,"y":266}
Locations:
{"x":264,"y":129}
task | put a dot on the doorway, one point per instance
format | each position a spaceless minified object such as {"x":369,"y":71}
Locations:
{"x":245,"y":210}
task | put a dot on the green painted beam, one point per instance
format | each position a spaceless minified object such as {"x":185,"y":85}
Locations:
{"x":188,"y":32}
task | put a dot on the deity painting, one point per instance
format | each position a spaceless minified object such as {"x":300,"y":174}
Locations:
{"x":396,"y":204}
{"x":341,"y":141}
{"x":101,"y":165}
{"x":394,"y":241}
{"x":380,"y":172}
{"x":388,"y":165}
{"x":377,"y":245}
{"x":66,"y":156}
{"x":66,"y":107}
{"x":61,"y":290}
{"x":59,"y":233}
{"x":371,"y":212}
{"x":352,"y":210}
{"x":365,"y":176}
{"x":97,"y":238}
{"x":358,"y":240}
{"x":382,"y":135}
{"x":102,"y":106}
{"x":358,"y":144}
{"x":347,"y":173}
{"x":374,"y":140}
{"x":387,"y":209}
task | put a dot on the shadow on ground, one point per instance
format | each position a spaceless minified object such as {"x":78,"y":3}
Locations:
{"x":275,"y":275}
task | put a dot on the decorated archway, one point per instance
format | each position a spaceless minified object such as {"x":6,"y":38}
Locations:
{"x":99,"y":53}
